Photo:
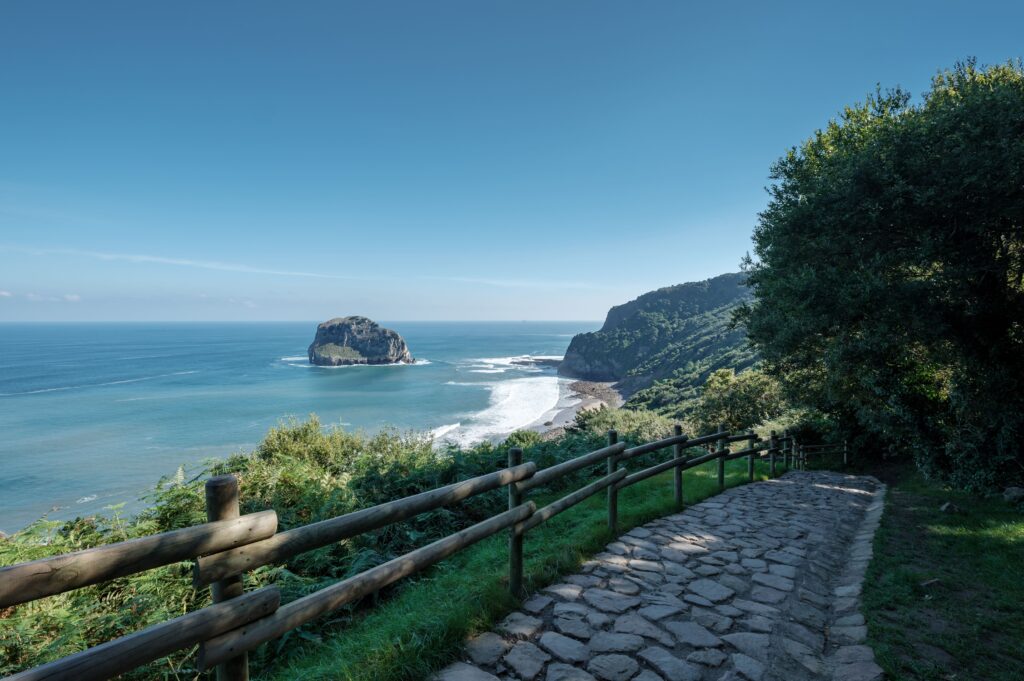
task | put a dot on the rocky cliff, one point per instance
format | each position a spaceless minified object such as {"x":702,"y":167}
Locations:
{"x":356,"y":340}
{"x":673,"y":337}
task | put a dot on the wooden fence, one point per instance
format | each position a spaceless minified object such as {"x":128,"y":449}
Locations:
{"x":230,"y":544}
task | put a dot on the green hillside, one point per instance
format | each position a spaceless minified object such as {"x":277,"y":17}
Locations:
{"x":660,"y":347}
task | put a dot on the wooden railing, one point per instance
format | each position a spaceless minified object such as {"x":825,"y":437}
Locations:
{"x":230,"y":544}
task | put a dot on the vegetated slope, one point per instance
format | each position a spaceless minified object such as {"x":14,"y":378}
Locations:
{"x":661,"y":346}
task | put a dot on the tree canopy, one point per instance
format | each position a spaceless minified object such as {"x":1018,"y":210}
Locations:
{"x":888,"y":273}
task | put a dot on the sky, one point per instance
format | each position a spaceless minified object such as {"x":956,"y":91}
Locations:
{"x":419,"y":160}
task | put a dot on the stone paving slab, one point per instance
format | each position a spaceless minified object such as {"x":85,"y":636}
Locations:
{"x":759,"y":583}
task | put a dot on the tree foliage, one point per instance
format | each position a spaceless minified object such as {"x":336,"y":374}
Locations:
{"x":888,"y":273}
{"x":738,"y":401}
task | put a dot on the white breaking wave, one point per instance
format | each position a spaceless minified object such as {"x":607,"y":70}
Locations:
{"x":514,"y":404}
{"x":302,"y":358}
{"x":439,"y":432}
{"x":86,"y":500}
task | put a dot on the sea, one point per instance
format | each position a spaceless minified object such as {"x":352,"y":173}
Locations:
{"x":92,"y":415}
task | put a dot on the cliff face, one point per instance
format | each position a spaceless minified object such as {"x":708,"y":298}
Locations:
{"x":679,"y":333}
{"x":356,"y":340}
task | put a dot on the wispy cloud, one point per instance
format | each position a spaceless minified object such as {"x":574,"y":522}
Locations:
{"x":6,"y":294}
{"x":220,"y":266}
{"x":72,"y":297}
{"x":180,"y":262}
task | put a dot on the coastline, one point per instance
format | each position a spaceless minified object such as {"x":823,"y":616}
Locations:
{"x":591,"y":395}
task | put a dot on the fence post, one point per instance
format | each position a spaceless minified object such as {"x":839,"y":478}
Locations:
{"x":750,"y":459}
{"x":613,"y":494}
{"x":721,"y":458}
{"x":773,"y":446}
{"x":515,"y":541}
{"x":678,"y":471}
{"x":222,"y":504}
{"x":846,"y":459}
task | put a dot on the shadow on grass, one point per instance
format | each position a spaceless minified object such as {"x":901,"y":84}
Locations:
{"x":943,"y":594}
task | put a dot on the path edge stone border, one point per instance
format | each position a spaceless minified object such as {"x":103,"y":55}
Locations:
{"x":851,"y":659}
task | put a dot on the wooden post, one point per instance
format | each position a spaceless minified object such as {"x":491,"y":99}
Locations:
{"x":222,"y":504}
{"x":773,"y":446}
{"x":515,"y":541}
{"x":678,"y":471}
{"x":846,"y":459}
{"x":721,"y":458}
{"x":613,"y":493}
{"x":750,"y":459}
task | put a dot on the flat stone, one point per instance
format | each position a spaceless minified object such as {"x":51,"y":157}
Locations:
{"x":774,"y":581}
{"x":563,"y":647}
{"x":764,"y":594}
{"x":609,"y":642}
{"x":708,"y":570}
{"x":693,"y":634}
{"x":647,"y":675}
{"x":660,"y":612}
{"x":624,"y":586}
{"x":460,"y":671}
{"x":526,"y":660}
{"x":634,"y":624}
{"x":711,"y":590}
{"x":486,"y":649}
{"x":573,"y":626}
{"x":537,"y":603}
{"x":783,"y":557}
{"x":613,"y":667}
{"x":712,"y":620}
{"x":848,"y":654}
{"x":566,"y":672}
{"x":754,"y":564}
{"x":697,"y":600}
{"x":609,"y":601}
{"x":748,"y":667}
{"x":520,"y":625}
{"x":646,"y":565}
{"x":669,"y":666}
{"x":754,"y":645}
{"x":857,"y":634}
{"x":709,"y":657}
{"x":568,"y":592}
{"x":787,"y":571}
{"x":854,"y":620}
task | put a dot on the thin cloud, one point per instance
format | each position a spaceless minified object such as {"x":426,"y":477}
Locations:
{"x":72,"y":297}
{"x":248,"y":269}
{"x":6,"y":294}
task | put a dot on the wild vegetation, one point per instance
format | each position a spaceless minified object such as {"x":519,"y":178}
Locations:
{"x":889,"y":275}
{"x":306,"y":473}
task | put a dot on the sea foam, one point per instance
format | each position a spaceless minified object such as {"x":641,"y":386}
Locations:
{"x":514,"y":404}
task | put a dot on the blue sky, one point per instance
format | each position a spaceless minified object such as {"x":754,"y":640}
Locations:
{"x":419,"y":160}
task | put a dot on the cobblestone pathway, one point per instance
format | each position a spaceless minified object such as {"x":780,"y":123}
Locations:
{"x":761,"y":582}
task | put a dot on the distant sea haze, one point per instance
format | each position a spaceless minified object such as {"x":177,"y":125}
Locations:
{"x":94,"y":414}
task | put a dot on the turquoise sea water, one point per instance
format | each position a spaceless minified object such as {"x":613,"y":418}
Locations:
{"x":94,"y":414}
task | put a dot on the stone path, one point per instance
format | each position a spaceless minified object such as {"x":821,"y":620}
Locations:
{"x":760,"y":583}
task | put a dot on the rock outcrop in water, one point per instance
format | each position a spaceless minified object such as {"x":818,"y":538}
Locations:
{"x":356,"y":340}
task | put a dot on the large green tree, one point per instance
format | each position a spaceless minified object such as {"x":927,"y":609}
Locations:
{"x":888,"y":273}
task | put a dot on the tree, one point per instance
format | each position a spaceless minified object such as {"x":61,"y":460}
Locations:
{"x":888,"y":273}
{"x":738,"y":401}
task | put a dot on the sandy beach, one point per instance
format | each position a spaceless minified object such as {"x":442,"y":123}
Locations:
{"x":591,"y":395}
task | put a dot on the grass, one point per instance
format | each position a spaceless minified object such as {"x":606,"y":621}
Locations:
{"x":422,"y":627}
{"x":943,"y":595}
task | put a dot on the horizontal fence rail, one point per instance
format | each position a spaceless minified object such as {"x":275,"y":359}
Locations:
{"x":228,"y":547}
{"x":209,"y":569}
{"x":49,"y":576}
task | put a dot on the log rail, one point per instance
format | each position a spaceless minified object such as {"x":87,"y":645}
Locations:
{"x":230,"y":545}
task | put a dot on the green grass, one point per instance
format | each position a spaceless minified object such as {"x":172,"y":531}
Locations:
{"x":422,"y":627}
{"x":943,"y":595}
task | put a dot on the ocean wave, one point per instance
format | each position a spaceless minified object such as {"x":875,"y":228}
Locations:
{"x":306,"y":364}
{"x":97,"y":385}
{"x":301,"y":358}
{"x":441,"y":431}
{"x":487,"y":371}
{"x":514,"y":404}
{"x":86,"y":500}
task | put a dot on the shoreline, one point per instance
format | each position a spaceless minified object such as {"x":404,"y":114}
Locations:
{"x":591,"y":395}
